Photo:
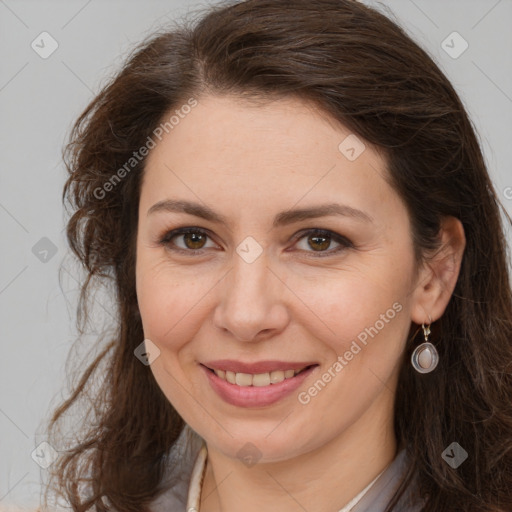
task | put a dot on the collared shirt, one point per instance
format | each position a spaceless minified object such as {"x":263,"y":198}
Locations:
{"x":190,"y":454}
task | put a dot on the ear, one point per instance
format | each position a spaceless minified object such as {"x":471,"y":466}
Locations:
{"x":438,"y":276}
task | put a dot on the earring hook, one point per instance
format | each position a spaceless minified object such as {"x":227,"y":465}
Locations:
{"x":426,"y":330}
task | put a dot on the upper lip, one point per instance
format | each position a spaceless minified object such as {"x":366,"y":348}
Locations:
{"x":257,"y":367}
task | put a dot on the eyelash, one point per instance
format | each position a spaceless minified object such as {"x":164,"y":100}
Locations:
{"x":345,"y":242}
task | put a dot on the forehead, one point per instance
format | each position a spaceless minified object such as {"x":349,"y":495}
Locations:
{"x":228,"y":128}
{"x":276,"y":152}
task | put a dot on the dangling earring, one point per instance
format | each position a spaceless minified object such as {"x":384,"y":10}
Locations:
{"x":424,"y":359}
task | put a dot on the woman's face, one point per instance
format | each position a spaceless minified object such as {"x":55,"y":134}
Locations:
{"x":253,"y":282}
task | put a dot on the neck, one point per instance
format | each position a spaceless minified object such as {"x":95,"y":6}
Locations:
{"x":322,"y":479}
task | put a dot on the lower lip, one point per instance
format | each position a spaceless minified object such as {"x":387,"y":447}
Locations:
{"x":255,"y":396}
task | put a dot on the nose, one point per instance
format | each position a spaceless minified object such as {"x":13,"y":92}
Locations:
{"x":251,"y":306}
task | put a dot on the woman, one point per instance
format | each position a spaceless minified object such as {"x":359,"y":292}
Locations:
{"x":310,"y":275}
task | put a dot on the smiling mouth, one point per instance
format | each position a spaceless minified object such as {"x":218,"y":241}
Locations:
{"x":258,"y":379}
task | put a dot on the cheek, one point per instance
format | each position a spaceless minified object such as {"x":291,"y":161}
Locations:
{"x":361,"y":313}
{"x":170,"y":302}
{"x":367,"y":330}
{"x":170,"y":307}
{"x":354,"y":299}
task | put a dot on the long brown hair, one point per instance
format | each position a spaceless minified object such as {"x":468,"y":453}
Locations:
{"x":362,"y":70}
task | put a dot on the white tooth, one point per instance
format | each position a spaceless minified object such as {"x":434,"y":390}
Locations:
{"x":277,"y":376}
{"x":220,"y":373}
{"x":261,"y":379}
{"x":243,"y":379}
{"x":258,"y":380}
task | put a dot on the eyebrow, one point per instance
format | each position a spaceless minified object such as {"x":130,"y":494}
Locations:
{"x":281,"y":219}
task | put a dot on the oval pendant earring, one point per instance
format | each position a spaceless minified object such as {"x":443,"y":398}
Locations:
{"x":424,"y":359}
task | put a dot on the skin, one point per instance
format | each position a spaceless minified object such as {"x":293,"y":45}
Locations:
{"x":249,"y":163}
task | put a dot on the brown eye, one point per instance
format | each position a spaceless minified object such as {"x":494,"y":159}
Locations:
{"x":194,"y":240}
{"x":319,"y":240}
{"x":191,"y":240}
{"x":185,"y":240}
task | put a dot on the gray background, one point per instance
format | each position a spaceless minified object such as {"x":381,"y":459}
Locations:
{"x":39,"y":100}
